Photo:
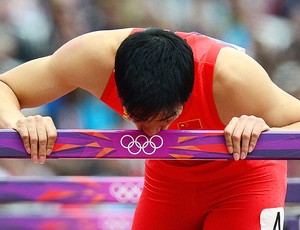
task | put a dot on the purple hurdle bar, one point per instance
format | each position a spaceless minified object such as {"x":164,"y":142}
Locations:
{"x":112,"y":220}
{"x":134,"y":144}
{"x":71,"y":189}
{"x":119,"y":221}
{"x":89,"y":190}
{"x":293,"y":190}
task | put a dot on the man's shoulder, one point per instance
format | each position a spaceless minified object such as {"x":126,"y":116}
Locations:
{"x":196,"y":40}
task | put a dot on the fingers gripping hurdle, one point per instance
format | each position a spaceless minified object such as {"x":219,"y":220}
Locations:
{"x":134,"y":144}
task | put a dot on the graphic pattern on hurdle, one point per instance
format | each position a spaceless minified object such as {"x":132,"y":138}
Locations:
{"x":134,"y":144}
{"x":71,"y":190}
{"x":90,"y":191}
{"x":117,"y":197}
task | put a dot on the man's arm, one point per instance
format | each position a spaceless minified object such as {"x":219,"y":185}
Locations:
{"x":242,"y":87}
{"x":85,"y":62}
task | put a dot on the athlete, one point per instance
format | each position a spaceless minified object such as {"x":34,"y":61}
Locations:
{"x":164,"y":80}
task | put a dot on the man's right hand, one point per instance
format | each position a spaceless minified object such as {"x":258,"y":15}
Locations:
{"x":38,"y":134}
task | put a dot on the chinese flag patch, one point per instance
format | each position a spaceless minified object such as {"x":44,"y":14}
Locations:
{"x":189,"y":125}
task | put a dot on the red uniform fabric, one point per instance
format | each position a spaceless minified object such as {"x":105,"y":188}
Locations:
{"x":206,"y":195}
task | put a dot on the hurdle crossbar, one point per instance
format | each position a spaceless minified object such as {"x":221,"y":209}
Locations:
{"x":134,"y":144}
{"x":114,"y":219}
{"x":89,"y":190}
{"x":71,"y":189}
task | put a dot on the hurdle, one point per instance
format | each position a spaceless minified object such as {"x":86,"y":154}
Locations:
{"x":89,"y":190}
{"x":134,"y":144}
{"x":120,"y":193}
{"x":124,"y":144}
{"x":108,"y":220}
{"x":104,"y":203}
{"x":71,"y":189}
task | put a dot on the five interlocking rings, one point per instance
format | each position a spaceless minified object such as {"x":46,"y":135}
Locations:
{"x":141,"y":143}
{"x":126,"y":192}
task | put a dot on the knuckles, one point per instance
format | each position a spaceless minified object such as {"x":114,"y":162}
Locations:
{"x":236,"y":138}
{"x":239,"y":123}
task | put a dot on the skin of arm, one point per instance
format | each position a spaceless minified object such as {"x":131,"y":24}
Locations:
{"x":242,"y":87}
{"x":85,"y":62}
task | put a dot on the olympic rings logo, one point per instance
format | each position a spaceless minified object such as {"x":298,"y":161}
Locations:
{"x":141,"y":143}
{"x":126,"y":192}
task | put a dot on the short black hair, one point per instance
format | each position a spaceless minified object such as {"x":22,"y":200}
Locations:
{"x":154,"y":73}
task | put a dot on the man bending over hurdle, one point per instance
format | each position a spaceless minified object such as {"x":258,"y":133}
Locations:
{"x":164,"y":80}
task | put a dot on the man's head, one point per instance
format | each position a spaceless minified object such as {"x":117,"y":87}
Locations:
{"x":154,"y":72}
